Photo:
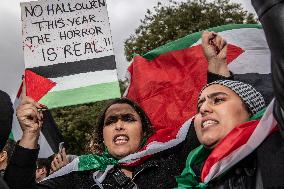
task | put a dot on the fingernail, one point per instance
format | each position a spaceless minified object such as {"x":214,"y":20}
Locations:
{"x":41,"y":109}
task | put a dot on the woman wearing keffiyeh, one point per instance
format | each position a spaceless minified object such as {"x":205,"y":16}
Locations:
{"x":238,"y":150}
{"x":225,"y":124}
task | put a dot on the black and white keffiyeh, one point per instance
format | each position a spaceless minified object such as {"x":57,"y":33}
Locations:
{"x":250,"y":96}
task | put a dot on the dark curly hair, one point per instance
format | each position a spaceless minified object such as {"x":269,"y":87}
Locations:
{"x":96,"y":143}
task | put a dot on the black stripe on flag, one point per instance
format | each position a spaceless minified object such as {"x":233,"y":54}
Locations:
{"x":71,"y":68}
{"x":51,"y":132}
{"x":262,"y":83}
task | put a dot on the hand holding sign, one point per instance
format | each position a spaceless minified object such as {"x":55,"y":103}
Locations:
{"x":69,"y":43}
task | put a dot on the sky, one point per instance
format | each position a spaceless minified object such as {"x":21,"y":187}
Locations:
{"x":124,"y":15}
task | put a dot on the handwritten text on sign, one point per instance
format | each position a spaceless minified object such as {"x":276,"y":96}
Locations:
{"x":58,"y":31}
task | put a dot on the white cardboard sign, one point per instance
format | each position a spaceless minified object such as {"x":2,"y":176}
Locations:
{"x":59,"y":31}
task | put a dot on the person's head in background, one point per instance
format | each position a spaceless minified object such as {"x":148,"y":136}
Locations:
{"x":6,"y":153}
{"x":43,"y":168}
{"x":6,"y":118}
{"x":122,"y":129}
{"x":222,"y":106}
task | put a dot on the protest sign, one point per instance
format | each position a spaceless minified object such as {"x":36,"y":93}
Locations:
{"x":68,"y":48}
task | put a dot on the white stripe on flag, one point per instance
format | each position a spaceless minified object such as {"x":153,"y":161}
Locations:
{"x":265,"y":126}
{"x":83,"y":80}
{"x":152,"y":148}
{"x":246,"y":38}
{"x":252,"y":61}
{"x":72,"y":166}
{"x":156,"y":147}
{"x":256,"y":58}
{"x":99,"y":176}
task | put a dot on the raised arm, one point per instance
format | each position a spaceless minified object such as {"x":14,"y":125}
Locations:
{"x":215,"y":50}
{"x":271,"y":16}
{"x":20,"y":172}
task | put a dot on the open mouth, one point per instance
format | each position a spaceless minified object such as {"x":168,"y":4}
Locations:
{"x":209,"y":123}
{"x":120,"y":139}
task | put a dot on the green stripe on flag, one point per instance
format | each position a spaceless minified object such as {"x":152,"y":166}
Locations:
{"x":11,"y":136}
{"x":258,"y":115}
{"x":82,"y":95}
{"x":189,"y":40}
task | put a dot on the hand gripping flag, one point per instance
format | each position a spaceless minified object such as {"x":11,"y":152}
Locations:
{"x":50,"y":136}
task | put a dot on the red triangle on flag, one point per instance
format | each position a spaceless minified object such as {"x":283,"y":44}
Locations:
{"x":233,"y":52}
{"x":36,"y":85}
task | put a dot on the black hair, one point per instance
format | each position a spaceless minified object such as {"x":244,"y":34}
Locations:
{"x":96,"y":144}
{"x":9,"y":148}
{"x":6,"y":117}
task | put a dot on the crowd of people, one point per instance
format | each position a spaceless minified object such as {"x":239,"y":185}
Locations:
{"x":225,"y":125}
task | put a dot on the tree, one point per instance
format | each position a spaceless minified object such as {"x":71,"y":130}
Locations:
{"x":76,"y":124}
{"x":178,"y":19}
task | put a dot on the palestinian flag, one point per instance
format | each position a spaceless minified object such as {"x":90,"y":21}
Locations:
{"x":166,"y":82}
{"x":75,"y":82}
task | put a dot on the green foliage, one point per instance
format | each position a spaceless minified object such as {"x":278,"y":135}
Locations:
{"x":123,"y":85}
{"x":178,"y":19}
{"x":77,"y":123}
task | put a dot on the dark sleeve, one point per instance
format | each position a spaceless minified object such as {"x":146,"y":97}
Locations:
{"x":61,"y":182}
{"x":271,"y":16}
{"x":214,"y":77}
{"x":270,"y":155}
{"x":3,"y":184}
{"x":20,"y":172}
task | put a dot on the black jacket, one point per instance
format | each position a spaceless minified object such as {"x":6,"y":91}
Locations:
{"x":158,"y":171}
{"x":271,"y":16}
